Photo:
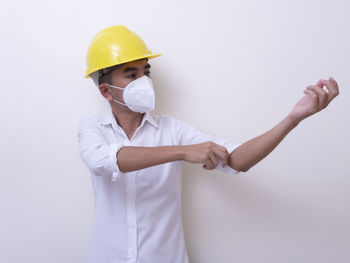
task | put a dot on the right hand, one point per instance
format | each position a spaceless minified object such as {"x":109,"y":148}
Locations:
{"x":206,"y":153}
{"x":315,"y":100}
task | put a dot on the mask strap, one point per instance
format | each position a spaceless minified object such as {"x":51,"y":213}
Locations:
{"x":114,"y":99}
{"x":112,"y":86}
{"x":120,"y":102}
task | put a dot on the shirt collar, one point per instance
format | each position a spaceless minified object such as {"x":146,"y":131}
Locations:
{"x":150,"y":118}
{"x":110,"y":119}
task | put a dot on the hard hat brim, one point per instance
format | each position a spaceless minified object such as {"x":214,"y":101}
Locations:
{"x":87,"y":75}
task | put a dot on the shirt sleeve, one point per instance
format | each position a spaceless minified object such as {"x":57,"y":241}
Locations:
{"x":98,"y":155}
{"x":188,"y":134}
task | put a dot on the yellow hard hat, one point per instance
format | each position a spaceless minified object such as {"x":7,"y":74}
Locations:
{"x":113,"y":46}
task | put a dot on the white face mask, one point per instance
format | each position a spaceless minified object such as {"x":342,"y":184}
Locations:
{"x":138,"y":95}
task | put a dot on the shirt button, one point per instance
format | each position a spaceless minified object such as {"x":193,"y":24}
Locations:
{"x":130,"y":253}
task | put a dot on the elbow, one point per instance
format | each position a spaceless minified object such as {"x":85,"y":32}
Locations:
{"x":99,"y":162}
{"x":96,"y":170}
{"x":237,"y":164}
{"x":240,"y":168}
{"x":98,"y":166}
{"x":100,"y":170}
{"x":244,"y":169}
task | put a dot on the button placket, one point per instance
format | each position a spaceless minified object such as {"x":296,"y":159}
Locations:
{"x":131,"y":216}
{"x":131,"y":208}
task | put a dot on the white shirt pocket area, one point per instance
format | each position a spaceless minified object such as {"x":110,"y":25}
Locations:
{"x":189,"y":134}
{"x":99,"y":155}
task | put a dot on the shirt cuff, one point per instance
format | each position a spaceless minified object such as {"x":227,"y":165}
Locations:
{"x":228,"y":169}
{"x":115,"y":147}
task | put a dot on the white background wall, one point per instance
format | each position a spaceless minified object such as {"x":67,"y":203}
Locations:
{"x":232,"y":68}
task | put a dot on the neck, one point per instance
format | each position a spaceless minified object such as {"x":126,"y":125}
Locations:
{"x":128,"y":120}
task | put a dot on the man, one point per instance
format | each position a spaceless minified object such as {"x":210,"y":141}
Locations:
{"x":135,"y":157}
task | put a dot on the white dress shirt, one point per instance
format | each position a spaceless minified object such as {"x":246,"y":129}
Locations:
{"x":138,"y":214}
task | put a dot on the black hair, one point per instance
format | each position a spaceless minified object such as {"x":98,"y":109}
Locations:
{"x":105,"y":75}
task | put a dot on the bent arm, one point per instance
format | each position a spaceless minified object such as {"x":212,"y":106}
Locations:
{"x":253,"y":151}
{"x":132,"y":158}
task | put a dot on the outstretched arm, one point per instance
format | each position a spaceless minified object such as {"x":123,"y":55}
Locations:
{"x":256,"y":149}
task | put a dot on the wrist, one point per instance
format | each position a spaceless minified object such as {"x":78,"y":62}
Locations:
{"x":180,"y":152}
{"x":294,"y":121}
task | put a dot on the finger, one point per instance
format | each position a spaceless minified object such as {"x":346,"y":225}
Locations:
{"x":322,"y":95}
{"x":320,"y":83}
{"x":312,"y":94}
{"x":208,"y":164}
{"x":333,"y":90}
{"x":216,"y":146}
{"x":221,"y":150}
{"x":225,"y":160}
{"x":213,"y":159}
{"x":335,"y":83}
{"x":222,"y":153}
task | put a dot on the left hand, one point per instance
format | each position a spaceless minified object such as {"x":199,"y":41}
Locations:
{"x":315,"y":100}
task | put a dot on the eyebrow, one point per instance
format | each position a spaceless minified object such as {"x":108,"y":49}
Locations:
{"x":132,"y":69}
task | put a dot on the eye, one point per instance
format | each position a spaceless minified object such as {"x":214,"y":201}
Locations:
{"x":132,"y":76}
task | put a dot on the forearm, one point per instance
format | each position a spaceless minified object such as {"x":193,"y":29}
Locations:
{"x":131,"y":158}
{"x":251,"y":152}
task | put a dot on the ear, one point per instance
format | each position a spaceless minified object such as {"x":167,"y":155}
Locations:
{"x":104,"y":90}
